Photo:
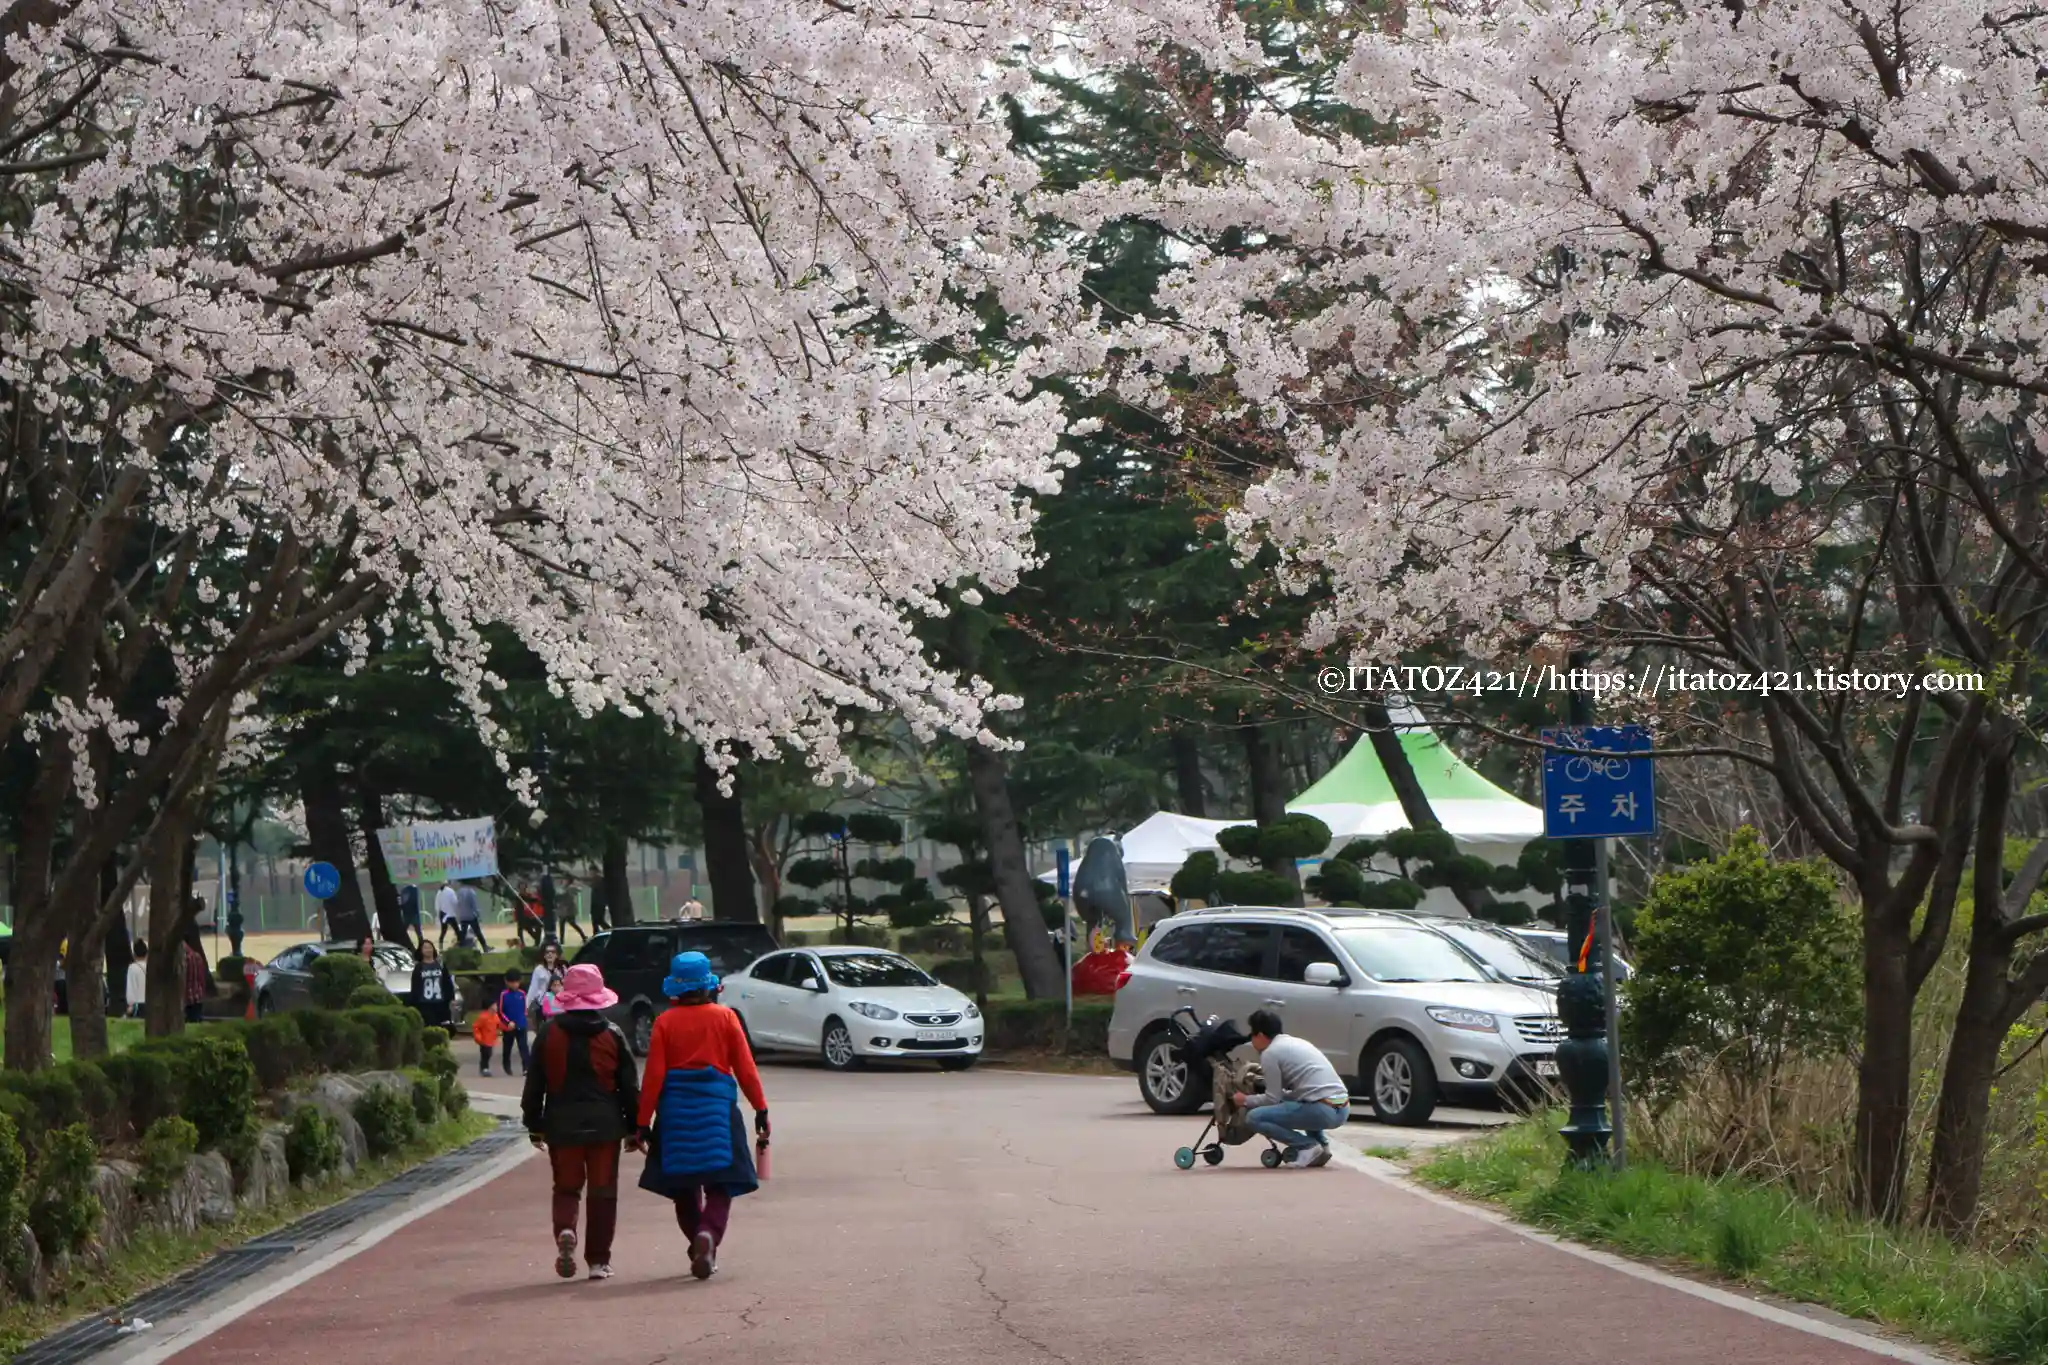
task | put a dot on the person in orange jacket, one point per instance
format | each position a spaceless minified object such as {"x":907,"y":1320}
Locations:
{"x":489,"y":1024}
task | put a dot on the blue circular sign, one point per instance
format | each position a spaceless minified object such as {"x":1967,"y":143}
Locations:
{"x":322,"y":881}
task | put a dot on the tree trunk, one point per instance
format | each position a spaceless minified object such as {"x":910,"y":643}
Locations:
{"x":1884,"y":1095}
{"x":763,"y":851}
{"x":1269,"y":790}
{"x":1187,"y":775}
{"x":327,"y":840}
{"x":170,"y":913}
{"x":618,"y":886}
{"x":725,"y":847}
{"x":85,"y":970}
{"x":977,"y":931}
{"x":1408,"y":789}
{"x":1023,"y":924}
{"x":383,"y":891}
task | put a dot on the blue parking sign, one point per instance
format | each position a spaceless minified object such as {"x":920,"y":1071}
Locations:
{"x":1598,"y":792}
{"x":322,"y":881}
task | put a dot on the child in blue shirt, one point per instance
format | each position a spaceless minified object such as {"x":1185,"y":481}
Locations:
{"x":512,"y":1006}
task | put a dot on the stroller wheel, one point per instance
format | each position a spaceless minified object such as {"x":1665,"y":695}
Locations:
{"x":1270,"y":1158}
{"x":1185,"y":1158}
{"x":1214,"y":1156}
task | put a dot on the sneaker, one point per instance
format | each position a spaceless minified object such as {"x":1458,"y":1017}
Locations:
{"x":486,"y":1071}
{"x":703,"y":1256}
{"x":1302,"y":1159}
{"x":1321,"y":1155}
{"x":565,"y":1253}
{"x":600,"y":1272}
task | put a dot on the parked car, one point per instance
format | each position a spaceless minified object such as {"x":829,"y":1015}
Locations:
{"x":1552,"y":944}
{"x":849,"y":1004}
{"x":1402,"y":1012}
{"x":634,"y":959}
{"x":286,"y":981}
{"x":1504,"y":954}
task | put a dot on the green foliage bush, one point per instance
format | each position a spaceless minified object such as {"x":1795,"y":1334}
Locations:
{"x":340,"y":1041}
{"x":919,"y":915}
{"x":336,"y":976}
{"x":1196,"y":880}
{"x":1041,"y":1025}
{"x":277,"y":1049}
{"x":51,"y":1097}
{"x":388,"y":1121}
{"x":1253,"y":888}
{"x":1741,"y":963}
{"x":217,"y":1084}
{"x":372,"y":996}
{"x":871,"y":827}
{"x":13,"y":1180}
{"x":861,"y":936}
{"x":463,"y":959}
{"x":62,"y":1212}
{"x":162,"y":1156}
{"x":936,"y":940}
{"x":960,"y":974}
{"x":395,"y":1035}
{"x":145,"y":1087}
{"x":426,"y":1096}
{"x":811,"y":873}
{"x":312,"y":1147}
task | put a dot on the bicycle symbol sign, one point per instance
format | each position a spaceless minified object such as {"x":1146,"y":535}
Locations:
{"x":1598,"y":794}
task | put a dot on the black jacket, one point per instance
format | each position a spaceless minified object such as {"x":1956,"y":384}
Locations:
{"x":438,"y":1011}
{"x":581,"y":1088}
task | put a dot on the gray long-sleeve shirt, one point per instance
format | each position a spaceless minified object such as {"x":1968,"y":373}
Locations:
{"x":1296,"y":1069}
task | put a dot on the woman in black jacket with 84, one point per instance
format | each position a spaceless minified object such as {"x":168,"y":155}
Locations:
{"x":433,"y":988}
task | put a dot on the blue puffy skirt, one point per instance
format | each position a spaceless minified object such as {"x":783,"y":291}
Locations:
{"x":699,"y":1137}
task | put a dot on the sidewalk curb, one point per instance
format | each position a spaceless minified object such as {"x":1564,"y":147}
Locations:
{"x":1779,"y":1314}
{"x":167,"y":1339}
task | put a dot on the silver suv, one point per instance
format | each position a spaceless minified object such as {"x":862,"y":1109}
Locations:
{"x":1402,"y":1012}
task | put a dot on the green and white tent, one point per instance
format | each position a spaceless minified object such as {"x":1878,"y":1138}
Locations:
{"x":1357,"y":798}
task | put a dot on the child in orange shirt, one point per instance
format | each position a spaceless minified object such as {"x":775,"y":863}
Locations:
{"x":489,"y":1024}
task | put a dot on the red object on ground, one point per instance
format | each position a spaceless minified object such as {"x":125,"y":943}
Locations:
{"x":249,"y":970}
{"x":1098,"y":973}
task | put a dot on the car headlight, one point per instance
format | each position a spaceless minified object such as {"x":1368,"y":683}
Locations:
{"x":973,"y":1010}
{"x":867,"y":1011}
{"x":1476,"y":1021}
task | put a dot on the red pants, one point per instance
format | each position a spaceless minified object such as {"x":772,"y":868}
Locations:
{"x":597,"y":1167}
{"x":703,"y":1208}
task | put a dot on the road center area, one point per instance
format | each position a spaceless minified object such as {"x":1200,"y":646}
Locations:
{"x":918,"y":1218}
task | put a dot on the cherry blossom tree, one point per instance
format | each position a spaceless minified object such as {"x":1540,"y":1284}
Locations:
{"x":1676,"y":326}
{"x":657,"y":333}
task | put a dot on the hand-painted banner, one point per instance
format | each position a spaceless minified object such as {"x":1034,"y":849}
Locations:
{"x":445,"y":850}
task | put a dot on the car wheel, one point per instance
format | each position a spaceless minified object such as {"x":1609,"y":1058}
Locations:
{"x":1170,"y":1083}
{"x":957,"y":1063}
{"x":836,"y":1047}
{"x":1401,"y":1082}
{"x":642,"y":1032}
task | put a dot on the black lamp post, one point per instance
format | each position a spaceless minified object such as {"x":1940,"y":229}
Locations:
{"x":547,"y":873}
{"x":1584,"y":1060}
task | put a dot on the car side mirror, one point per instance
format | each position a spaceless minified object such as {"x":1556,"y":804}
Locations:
{"x":1324,"y":974}
{"x":813,"y":984}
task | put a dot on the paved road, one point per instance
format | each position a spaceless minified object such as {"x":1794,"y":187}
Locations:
{"x":917,"y":1218}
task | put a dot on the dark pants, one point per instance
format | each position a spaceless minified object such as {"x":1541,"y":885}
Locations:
{"x":484,"y":1061}
{"x":568,"y":924}
{"x":195,"y":1012}
{"x":516,"y":1035}
{"x":704,"y":1208}
{"x":595,"y":1167}
{"x":465,"y":928}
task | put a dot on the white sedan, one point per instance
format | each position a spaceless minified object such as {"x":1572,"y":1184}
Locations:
{"x":849,"y":1004}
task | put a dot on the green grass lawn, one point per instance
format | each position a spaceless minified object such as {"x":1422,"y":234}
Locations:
{"x":121,"y":1035}
{"x":1905,"y":1278}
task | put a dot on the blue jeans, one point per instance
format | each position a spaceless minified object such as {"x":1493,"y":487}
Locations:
{"x":1297,"y":1123}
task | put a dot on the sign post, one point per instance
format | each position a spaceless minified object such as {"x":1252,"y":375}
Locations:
{"x":1593,"y":791}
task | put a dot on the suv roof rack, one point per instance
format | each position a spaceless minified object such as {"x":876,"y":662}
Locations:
{"x":1321,"y":912}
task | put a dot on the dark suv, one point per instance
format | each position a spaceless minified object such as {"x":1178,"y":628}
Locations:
{"x":635,"y":958}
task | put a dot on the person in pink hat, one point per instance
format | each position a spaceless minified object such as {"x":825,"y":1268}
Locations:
{"x":581,"y":1105}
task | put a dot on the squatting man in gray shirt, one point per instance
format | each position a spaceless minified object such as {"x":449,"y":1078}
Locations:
{"x":1304,"y":1095}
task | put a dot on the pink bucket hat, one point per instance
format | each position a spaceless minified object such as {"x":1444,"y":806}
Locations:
{"x":583,"y":988}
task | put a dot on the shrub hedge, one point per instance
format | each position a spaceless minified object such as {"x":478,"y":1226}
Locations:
{"x":1041,"y":1025}
{"x":313,"y":1145}
{"x":336,"y":976}
{"x":165,"y":1150}
{"x":388,"y":1120}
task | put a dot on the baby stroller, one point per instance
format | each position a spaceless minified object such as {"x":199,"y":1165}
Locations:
{"x":1210,"y":1044}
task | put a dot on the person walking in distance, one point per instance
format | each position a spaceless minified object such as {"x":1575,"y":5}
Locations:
{"x":469,"y":915}
{"x":547,"y":979}
{"x":566,"y":910}
{"x":1304,"y":1095}
{"x":446,"y":903}
{"x":485,"y":1029}
{"x":197,"y":978}
{"x":581,"y":1102}
{"x":698,"y":1064}
{"x":138,"y":980}
{"x":512,"y":1010}
{"x":433,"y":988}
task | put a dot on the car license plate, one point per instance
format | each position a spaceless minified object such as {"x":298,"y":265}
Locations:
{"x":1547,"y":1069}
{"x":934,"y":1035}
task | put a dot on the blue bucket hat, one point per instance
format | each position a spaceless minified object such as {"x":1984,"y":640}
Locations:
{"x":689,"y":972}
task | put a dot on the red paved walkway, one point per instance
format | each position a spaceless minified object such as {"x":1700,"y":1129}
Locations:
{"x":921,"y":1219}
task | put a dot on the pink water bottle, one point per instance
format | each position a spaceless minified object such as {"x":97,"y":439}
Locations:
{"x":761,"y":1158}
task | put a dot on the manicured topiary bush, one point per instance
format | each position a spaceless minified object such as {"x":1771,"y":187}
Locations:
{"x":62,"y":1212}
{"x":372,"y":996}
{"x":162,"y":1156}
{"x":463,"y":959}
{"x":336,"y":976}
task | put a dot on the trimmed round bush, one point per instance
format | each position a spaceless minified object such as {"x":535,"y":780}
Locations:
{"x":336,"y":977}
{"x":372,"y":997}
{"x":62,"y":1212}
{"x":463,"y":959}
{"x":145,"y":1087}
{"x":218,"y":1082}
{"x":426,"y":1096}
